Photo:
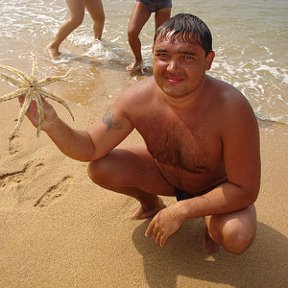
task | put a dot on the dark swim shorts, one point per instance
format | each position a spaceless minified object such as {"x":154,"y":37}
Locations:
{"x":155,"y":5}
{"x":183,"y":195}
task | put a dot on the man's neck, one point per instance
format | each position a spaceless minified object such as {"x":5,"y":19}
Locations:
{"x":188,"y":101}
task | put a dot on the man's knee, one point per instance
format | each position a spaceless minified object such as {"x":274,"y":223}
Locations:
{"x":237,"y":238}
{"x":97,"y":171}
{"x":236,"y":231}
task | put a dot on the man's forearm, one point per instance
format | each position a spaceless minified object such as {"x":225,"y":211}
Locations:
{"x":73,"y":143}
{"x":225,"y":198}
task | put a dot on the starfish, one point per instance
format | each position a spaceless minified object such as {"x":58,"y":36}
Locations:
{"x":32,"y":89}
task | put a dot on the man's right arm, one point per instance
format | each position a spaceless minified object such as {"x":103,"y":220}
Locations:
{"x":84,"y":145}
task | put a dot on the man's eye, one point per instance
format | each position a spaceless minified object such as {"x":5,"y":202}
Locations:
{"x":162,"y":55}
{"x":188,"y":57}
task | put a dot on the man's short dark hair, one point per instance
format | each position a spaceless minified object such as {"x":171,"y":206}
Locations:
{"x":187,"y":28}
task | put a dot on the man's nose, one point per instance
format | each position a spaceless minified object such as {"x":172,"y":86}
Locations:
{"x":172,"y":65}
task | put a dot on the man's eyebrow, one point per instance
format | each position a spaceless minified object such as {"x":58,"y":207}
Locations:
{"x":160,"y":50}
{"x":187,"y":52}
{"x":181,"y":51}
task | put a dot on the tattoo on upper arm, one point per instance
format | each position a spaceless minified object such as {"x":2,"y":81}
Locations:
{"x":108,"y":121}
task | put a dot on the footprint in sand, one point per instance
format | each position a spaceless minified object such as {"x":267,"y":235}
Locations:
{"x":54,"y":192}
{"x":14,"y":178}
{"x":14,"y":146}
{"x":13,"y":181}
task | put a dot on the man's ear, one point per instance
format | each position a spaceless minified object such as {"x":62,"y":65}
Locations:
{"x":209,"y":59}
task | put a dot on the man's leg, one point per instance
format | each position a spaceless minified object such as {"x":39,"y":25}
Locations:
{"x":133,"y":172}
{"x":235,"y":231}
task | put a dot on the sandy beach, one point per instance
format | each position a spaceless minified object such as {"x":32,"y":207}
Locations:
{"x":58,"y":229}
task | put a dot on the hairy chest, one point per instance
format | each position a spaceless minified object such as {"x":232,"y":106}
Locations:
{"x":193,"y":145}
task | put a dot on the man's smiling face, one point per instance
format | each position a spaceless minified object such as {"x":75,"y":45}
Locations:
{"x":179,"y":67}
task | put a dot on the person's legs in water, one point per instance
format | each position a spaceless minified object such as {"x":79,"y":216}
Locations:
{"x":96,"y":11}
{"x":76,"y":9}
{"x":138,"y":18}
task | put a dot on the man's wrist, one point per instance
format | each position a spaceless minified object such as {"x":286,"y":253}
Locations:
{"x":53,"y":121}
{"x":183,"y":210}
{"x":49,"y":124}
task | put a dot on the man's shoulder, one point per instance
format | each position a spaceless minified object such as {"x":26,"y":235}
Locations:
{"x":231,"y":103}
{"x":137,"y":95}
{"x":223,"y":85}
{"x":227,"y":92}
{"x":145,"y":84}
{"x":142,"y":89}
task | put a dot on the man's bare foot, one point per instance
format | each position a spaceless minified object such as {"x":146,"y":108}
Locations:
{"x":208,"y":244}
{"x":140,"y":213}
{"x":54,"y":53}
{"x":134,"y":67}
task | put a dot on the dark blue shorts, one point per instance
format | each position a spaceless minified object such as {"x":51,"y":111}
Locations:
{"x":155,"y":5}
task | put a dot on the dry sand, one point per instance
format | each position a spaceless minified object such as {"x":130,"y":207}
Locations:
{"x":58,"y":229}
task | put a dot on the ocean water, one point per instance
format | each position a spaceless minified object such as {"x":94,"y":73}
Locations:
{"x":250,"y":39}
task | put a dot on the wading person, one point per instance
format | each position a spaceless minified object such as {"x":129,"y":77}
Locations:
{"x":77,"y":11}
{"x":139,"y":16}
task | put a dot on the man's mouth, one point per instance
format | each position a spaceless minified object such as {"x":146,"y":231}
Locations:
{"x":173,"y":79}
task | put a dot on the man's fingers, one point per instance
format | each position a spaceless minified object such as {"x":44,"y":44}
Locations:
{"x":157,"y":238}
{"x":149,"y":229}
{"x":21,"y":99}
{"x":162,"y":240}
{"x":156,"y":231}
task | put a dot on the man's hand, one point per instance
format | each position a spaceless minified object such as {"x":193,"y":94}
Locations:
{"x":49,"y":113}
{"x":164,"y":224}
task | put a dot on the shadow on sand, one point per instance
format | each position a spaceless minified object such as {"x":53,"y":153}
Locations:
{"x":265,"y":264}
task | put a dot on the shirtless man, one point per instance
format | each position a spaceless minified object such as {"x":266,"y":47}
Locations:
{"x":77,"y":11}
{"x":139,"y":16}
{"x":201,"y":143}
